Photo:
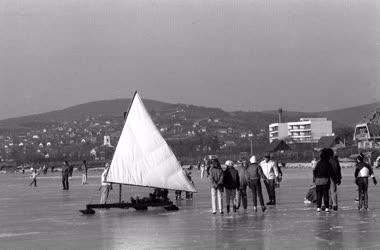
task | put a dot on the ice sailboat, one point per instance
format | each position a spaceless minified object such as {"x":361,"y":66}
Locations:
{"x":143,"y":158}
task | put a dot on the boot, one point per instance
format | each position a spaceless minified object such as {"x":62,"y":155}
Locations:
{"x":263,"y":208}
{"x":234,"y":208}
{"x":228,"y":209}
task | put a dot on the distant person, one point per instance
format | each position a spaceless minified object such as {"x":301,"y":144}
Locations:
{"x":23,"y":169}
{"x":189,"y":195}
{"x":203,"y":168}
{"x":254,"y":175}
{"x":336,"y":181}
{"x":44,"y":169}
{"x":216,"y":181}
{"x":270,"y":171}
{"x":231,"y":184}
{"x":321,"y":175}
{"x":104,"y":186}
{"x":34,"y":177}
{"x":362,"y":172}
{"x":84,"y":172}
{"x":279,"y":177}
{"x":71,"y":169}
{"x":65,"y":175}
{"x":241,"y":193}
{"x":376,"y":163}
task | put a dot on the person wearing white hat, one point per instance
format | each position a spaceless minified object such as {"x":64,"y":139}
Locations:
{"x":254,"y":175}
{"x":231,"y":184}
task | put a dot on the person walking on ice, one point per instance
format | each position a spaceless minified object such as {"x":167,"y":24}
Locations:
{"x":322,"y":174}
{"x":216,"y":182}
{"x":254,"y":175}
{"x":84,"y":172}
{"x":65,"y":175}
{"x":34,"y":177}
{"x":231,"y":184}
{"x":362,"y":172}
{"x":270,"y":171}
{"x":104,"y":186}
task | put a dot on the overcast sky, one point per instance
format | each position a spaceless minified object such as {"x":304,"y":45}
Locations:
{"x":304,"y":55}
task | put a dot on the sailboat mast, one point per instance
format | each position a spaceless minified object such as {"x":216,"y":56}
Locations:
{"x":125,"y":117}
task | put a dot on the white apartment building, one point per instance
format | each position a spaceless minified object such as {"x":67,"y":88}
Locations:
{"x":303,"y":131}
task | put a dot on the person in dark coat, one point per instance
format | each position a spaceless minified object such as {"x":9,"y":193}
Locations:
{"x":231,"y":184}
{"x":65,"y":175}
{"x":241,"y":193}
{"x":338,"y":179}
{"x":254,"y":175}
{"x":215,"y":174}
{"x":321,"y":176}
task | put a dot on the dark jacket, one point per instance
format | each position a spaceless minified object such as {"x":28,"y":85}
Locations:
{"x":65,"y":171}
{"x":255,"y":172}
{"x":231,"y":178}
{"x":242,"y":170}
{"x":323,"y":169}
{"x":216,"y":177}
{"x":336,"y":169}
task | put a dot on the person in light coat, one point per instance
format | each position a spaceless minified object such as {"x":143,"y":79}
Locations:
{"x":270,"y":171}
{"x":104,"y":186}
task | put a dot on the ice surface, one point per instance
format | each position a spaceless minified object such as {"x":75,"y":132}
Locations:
{"x":47,"y":217}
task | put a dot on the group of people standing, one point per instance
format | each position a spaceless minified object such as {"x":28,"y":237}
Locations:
{"x":234,"y":180}
{"x":327,"y":177}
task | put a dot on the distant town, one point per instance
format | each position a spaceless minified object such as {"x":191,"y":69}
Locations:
{"x":190,"y":136}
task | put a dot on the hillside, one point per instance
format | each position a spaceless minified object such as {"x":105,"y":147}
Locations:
{"x":349,"y":116}
{"x":160,"y":110}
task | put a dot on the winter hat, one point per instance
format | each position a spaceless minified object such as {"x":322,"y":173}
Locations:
{"x":360,"y":157}
{"x":229,"y":163}
{"x":253,"y":159}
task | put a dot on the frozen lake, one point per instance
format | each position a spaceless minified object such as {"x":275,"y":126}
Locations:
{"x":47,"y":217}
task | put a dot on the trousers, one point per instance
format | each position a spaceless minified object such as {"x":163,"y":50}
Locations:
{"x":216,"y":197}
{"x":65,"y":182}
{"x":241,"y":197}
{"x":363,"y":191}
{"x":105,"y":190}
{"x":323,"y":192}
{"x":271,"y":189}
{"x":333,"y":193}
{"x":230,"y":197}
{"x":255,"y":186}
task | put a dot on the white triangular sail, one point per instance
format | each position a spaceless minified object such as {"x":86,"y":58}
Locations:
{"x":142,"y":156}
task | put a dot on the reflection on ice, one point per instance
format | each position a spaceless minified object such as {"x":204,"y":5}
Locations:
{"x":49,"y":217}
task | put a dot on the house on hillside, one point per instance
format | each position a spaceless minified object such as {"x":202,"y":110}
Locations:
{"x":333,"y":142}
{"x":278,"y":146}
{"x":367,"y":135}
